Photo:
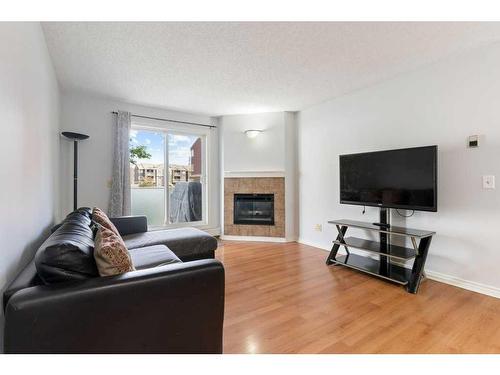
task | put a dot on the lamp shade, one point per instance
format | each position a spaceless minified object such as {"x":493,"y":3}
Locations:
{"x":75,"y":136}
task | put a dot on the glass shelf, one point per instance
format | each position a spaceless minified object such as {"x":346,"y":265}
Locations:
{"x":393,"y":251}
{"x":400,"y":231}
{"x":389,"y":272}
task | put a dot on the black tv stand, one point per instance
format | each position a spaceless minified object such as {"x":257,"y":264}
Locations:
{"x":383,"y":267}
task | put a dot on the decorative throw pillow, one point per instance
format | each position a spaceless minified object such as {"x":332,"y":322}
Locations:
{"x":99,"y":217}
{"x":111,"y":254}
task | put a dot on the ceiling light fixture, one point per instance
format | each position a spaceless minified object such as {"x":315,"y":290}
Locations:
{"x":252,"y":133}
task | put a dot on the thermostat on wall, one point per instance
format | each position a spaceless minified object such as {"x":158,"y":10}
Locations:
{"x":473,"y":141}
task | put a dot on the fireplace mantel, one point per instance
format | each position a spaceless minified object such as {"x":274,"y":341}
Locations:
{"x":250,"y":174}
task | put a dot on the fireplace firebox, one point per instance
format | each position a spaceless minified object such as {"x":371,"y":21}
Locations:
{"x":254,"y":209}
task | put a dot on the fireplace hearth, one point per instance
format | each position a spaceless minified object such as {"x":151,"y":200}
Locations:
{"x":254,"y":209}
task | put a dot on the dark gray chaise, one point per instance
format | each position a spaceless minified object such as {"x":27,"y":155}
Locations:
{"x":187,"y":243}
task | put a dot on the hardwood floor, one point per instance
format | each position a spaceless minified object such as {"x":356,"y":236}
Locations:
{"x":282,"y":298}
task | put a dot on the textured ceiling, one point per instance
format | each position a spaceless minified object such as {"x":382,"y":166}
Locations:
{"x":226,"y":68}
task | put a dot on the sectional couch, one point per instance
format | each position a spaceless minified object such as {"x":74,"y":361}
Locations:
{"x":172,"y":303}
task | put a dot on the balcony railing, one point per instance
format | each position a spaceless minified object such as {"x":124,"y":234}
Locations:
{"x":149,"y":201}
{"x":185,"y":203}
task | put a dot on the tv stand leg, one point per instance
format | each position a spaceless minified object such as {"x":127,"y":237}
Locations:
{"x":385,"y":241}
{"x":335,"y":247}
{"x":417,"y":272}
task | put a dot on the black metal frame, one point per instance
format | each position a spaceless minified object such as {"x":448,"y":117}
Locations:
{"x":253,"y":222}
{"x":417,"y":272}
{"x":336,"y":246}
{"x":75,"y":174}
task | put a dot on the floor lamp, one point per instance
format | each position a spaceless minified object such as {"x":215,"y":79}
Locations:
{"x":75,"y":137}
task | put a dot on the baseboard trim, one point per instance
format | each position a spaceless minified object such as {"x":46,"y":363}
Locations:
{"x":464,"y":284}
{"x":253,"y":238}
{"x":313,"y":244}
{"x":437,"y":276}
{"x":213,"y":231}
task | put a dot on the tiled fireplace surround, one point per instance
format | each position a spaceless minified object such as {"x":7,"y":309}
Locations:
{"x":255,"y":185}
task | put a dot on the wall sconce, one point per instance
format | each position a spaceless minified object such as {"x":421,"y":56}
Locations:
{"x":253,"y":133}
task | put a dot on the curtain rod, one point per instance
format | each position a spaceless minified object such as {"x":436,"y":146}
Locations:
{"x":168,"y":120}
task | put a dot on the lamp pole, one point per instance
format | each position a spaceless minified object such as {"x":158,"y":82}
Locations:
{"x":75,"y":137}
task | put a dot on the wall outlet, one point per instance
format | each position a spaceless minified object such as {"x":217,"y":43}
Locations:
{"x":318,"y":227}
{"x":488,"y":182}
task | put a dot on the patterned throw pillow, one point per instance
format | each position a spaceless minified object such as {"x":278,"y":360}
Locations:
{"x":111,"y":254}
{"x":99,"y":217}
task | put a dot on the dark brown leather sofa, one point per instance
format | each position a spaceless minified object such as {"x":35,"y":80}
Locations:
{"x":171,"y":304}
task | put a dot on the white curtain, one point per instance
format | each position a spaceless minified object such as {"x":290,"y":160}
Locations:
{"x":119,"y":204}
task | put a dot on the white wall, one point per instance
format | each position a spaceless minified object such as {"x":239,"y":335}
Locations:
{"x":265,"y":153}
{"x":272,"y":153}
{"x":90,"y":114}
{"x":29,"y":165}
{"x":441,"y":104}
{"x":291,"y":177}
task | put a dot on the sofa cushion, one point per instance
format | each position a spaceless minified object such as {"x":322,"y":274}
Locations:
{"x":152,"y":256}
{"x":111,"y":254}
{"x":68,"y":254}
{"x":184,"y":242}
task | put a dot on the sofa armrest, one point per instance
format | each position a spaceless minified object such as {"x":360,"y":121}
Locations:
{"x":177,"y":308}
{"x":130,"y":224}
{"x":28,"y":277}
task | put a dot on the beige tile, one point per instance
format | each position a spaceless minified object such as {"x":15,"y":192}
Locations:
{"x":228,"y":185}
{"x":265,"y":230}
{"x":246,"y":186}
{"x":259,"y":230}
{"x":277,"y":231}
{"x":277,"y":184}
{"x":279,"y":218}
{"x":243,"y":230}
{"x":279,"y":201}
{"x":228,"y":201}
{"x":262,"y":185}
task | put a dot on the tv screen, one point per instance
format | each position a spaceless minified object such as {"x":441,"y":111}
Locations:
{"x":404,"y":178}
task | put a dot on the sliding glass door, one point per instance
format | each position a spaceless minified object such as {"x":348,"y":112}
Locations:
{"x":185,"y":178}
{"x":174,"y":195}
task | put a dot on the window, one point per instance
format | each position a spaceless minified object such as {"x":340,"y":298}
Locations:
{"x":176,"y":194}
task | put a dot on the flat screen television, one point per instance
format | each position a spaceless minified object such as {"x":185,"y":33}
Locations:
{"x":403,"y":178}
